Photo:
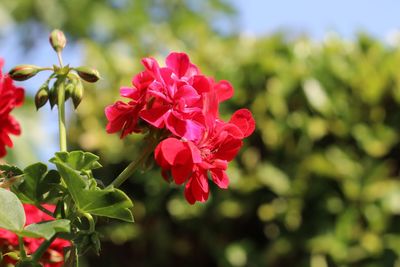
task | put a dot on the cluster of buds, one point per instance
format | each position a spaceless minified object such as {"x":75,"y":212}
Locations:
{"x":66,"y":78}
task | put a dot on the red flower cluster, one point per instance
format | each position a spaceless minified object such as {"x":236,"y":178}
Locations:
{"x":185,"y":102}
{"x":10,"y":97}
{"x":53,"y":257}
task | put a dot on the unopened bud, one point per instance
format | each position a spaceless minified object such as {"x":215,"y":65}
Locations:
{"x":77,"y":94}
{"x":88,"y":74}
{"x":23,"y":72}
{"x":53,"y":96}
{"x":69,"y":88}
{"x":42,"y":96}
{"x":57,"y":40}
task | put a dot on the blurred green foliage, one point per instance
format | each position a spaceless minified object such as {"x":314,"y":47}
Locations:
{"x":318,"y":183}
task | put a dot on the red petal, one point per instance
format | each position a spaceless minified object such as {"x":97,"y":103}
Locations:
{"x":224,"y":90}
{"x":188,"y":129}
{"x":171,"y":148}
{"x":200,"y":187}
{"x":188,"y":93}
{"x":19,"y":96}
{"x":188,"y":193}
{"x":244,"y":120}
{"x":142,"y":80}
{"x":197,"y":188}
{"x":178,"y":62}
{"x":201,"y":84}
{"x":181,"y":173}
{"x":196,"y":154}
{"x":152,"y":67}
{"x":228,"y":149}
{"x":159,"y":157}
{"x":155,"y":116}
{"x":220,"y":178}
{"x":122,"y":116}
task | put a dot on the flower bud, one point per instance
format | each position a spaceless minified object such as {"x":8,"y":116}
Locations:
{"x":53,"y":96}
{"x":88,"y":74}
{"x":57,"y":40}
{"x":42,"y":96}
{"x":23,"y":72}
{"x":69,"y":88}
{"x":77,"y":94}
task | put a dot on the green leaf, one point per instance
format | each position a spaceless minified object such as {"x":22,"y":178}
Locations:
{"x":12,"y":214}
{"x":46,"y":229}
{"x":79,"y":160}
{"x":112,"y":203}
{"x":37,"y":182}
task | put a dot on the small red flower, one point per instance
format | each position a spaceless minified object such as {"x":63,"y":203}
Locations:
{"x":10,"y":97}
{"x":53,"y":257}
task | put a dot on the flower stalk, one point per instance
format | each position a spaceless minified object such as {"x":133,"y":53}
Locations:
{"x":133,"y":166}
{"x":61,"y":115}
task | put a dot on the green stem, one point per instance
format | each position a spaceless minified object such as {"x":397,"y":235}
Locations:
{"x":61,"y":116}
{"x":42,"y":249}
{"x":133,"y":166}
{"x":22,"y":248}
{"x":60,"y":59}
{"x":61,"y":108}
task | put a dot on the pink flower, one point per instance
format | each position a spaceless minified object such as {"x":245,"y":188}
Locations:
{"x":193,"y":162}
{"x":10,"y":97}
{"x":53,"y":257}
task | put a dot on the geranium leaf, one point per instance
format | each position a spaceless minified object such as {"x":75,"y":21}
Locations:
{"x":12,"y":215}
{"x":111,"y":203}
{"x":46,"y":229}
{"x":37,"y":181}
{"x":79,"y":160}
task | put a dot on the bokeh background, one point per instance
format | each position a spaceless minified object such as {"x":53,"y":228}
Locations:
{"x":317,"y":184}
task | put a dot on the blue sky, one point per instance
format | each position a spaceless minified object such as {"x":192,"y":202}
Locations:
{"x":315,"y":17}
